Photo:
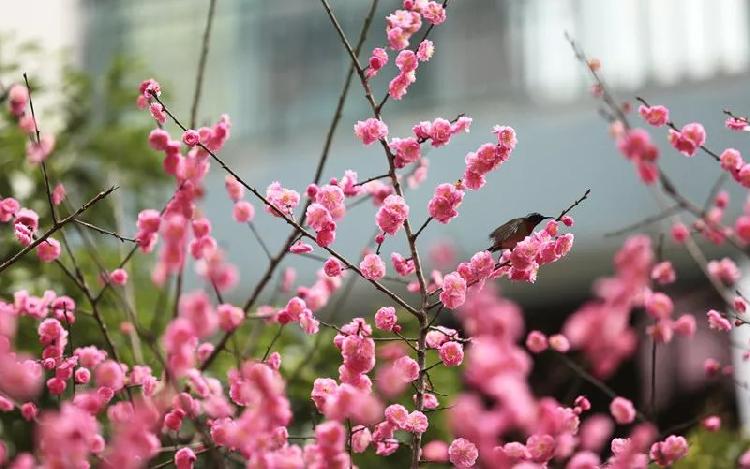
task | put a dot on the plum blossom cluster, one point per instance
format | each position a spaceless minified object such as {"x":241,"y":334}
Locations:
{"x":336,"y":400}
{"x":540,"y":248}
{"x":636,"y":146}
{"x":555,"y":433}
{"x":243,"y":211}
{"x":444,"y":202}
{"x":401,"y":25}
{"x":407,"y":63}
{"x":178,"y":218}
{"x":688,"y":139}
{"x":497,"y":368}
{"x":488,"y":157}
{"x":616,"y":296}
{"x":438,"y":132}
{"x":328,"y":206}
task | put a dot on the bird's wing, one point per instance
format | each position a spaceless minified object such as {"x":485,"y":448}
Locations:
{"x":505,"y":231}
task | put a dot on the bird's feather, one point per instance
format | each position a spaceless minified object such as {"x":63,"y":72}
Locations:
{"x":506,"y":230}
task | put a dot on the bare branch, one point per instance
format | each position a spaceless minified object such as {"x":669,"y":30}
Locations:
{"x":106,"y":232}
{"x":202,"y":63}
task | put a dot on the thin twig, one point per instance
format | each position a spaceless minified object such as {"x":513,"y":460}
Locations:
{"x":601,"y":385}
{"x":260,"y":240}
{"x":314,"y":257}
{"x":421,"y":228}
{"x":374,"y":178}
{"x":106,"y":232}
{"x":715,"y":190}
{"x":573,"y":205}
{"x":652,"y":406}
{"x":734,"y":116}
{"x":606,"y":96}
{"x":202,"y":63}
{"x":666,"y":213}
{"x":273,"y":341}
{"x":43,"y":165}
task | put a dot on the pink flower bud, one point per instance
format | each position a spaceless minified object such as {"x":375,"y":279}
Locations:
{"x":56,"y":386}
{"x":680,"y":232}
{"x":184,"y":458}
{"x":622,"y":410}
{"x":119,"y":276}
{"x":372,"y":267}
{"x":582,"y":403}
{"x":191,"y":138}
{"x":48,"y":250}
{"x":654,"y":115}
{"x":451,"y":353}
{"x":385,"y":318}
{"x":462,"y":453}
{"x":536,"y":342}
{"x":82,"y":375}
{"x":712,"y":423}
{"x":559,"y":343}
{"x":29,"y":411}
{"x":370,"y":130}
{"x":243,"y":212}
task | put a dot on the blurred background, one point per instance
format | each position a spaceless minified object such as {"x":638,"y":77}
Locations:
{"x":277,"y":68}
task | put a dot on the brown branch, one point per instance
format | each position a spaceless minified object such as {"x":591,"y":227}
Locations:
{"x":374,"y":178}
{"x":606,"y":96}
{"x":666,"y":185}
{"x":43,"y":165}
{"x":344,"y":92}
{"x":421,"y":228}
{"x":202,"y":63}
{"x":106,"y":232}
{"x":262,"y":243}
{"x":573,"y":205}
{"x":599,"y":384}
{"x":668,"y":212}
{"x":734,"y":116}
{"x":714,"y":190}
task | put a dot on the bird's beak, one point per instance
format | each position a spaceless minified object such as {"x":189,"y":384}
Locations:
{"x":548,"y":218}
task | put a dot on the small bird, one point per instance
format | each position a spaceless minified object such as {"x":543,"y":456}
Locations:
{"x":507,"y":235}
